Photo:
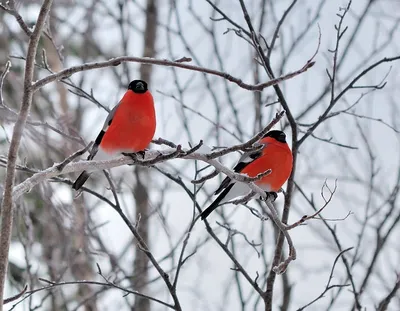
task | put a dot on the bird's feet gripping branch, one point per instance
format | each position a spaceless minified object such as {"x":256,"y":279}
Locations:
{"x":270,"y":196}
{"x":136,"y":155}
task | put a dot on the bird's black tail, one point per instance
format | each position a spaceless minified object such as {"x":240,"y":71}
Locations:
{"x":216,"y":202}
{"x":80,"y":180}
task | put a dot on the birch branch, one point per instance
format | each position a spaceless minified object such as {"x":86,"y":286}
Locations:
{"x":7,"y":207}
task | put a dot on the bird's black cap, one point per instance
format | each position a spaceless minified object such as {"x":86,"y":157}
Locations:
{"x":278,"y":135}
{"x":138,"y":86}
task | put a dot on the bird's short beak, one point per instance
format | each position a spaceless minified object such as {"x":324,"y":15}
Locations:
{"x":140,"y":86}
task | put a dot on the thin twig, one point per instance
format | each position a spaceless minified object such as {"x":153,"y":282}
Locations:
{"x":318,"y":212}
{"x":2,"y":77}
{"x":163,"y":62}
{"x":17,"y":296}
{"x":383,"y":305}
{"x":328,"y":287}
{"x":73,"y":156}
{"x":106,"y":284}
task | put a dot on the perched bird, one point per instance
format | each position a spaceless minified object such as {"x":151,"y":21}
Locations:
{"x":275,"y":155}
{"x":129,"y":127}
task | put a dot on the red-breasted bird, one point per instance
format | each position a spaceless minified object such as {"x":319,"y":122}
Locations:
{"x":275,"y":155}
{"x":129,"y":127}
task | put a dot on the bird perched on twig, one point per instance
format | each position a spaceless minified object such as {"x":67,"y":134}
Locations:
{"x":129,"y":127}
{"x":275,"y":155}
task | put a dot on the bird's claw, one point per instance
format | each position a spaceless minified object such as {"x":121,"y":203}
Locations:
{"x":135,"y":155}
{"x":273,"y":195}
{"x":142,"y":153}
{"x":159,"y":154}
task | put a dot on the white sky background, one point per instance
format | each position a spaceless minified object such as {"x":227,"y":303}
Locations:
{"x":207,"y":282}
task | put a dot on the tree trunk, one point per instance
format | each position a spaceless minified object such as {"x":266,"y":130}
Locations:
{"x":141,"y":192}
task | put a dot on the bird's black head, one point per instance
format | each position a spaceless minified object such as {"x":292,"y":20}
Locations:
{"x":138,"y":86}
{"x":278,"y":135}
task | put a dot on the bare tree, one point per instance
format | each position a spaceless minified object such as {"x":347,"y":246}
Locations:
{"x":223,"y":73}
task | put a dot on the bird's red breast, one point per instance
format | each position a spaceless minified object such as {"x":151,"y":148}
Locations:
{"x":133,"y":124}
{"x":277,"y":157}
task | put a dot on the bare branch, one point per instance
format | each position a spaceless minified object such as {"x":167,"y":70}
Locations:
{"x":328,"y":287}
{"x":7,"y":203}
{"x":12,"y":10}
{"x":2,"y":77}
{"x":383,"y":305}
{"x":318,"y":212}
{"x":107,"y":283}
{"x":17,"y":296}
{"x":162,"y":62}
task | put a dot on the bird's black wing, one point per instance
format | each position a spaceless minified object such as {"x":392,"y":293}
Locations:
{"x":99,"y":137}
{"x":244,"y":160}
{"x":216,"y":202}
{"x":83,"y":177}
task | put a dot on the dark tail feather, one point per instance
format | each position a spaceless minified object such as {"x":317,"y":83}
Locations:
{"x":80,"y":180}
{"x":216,"y":202}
